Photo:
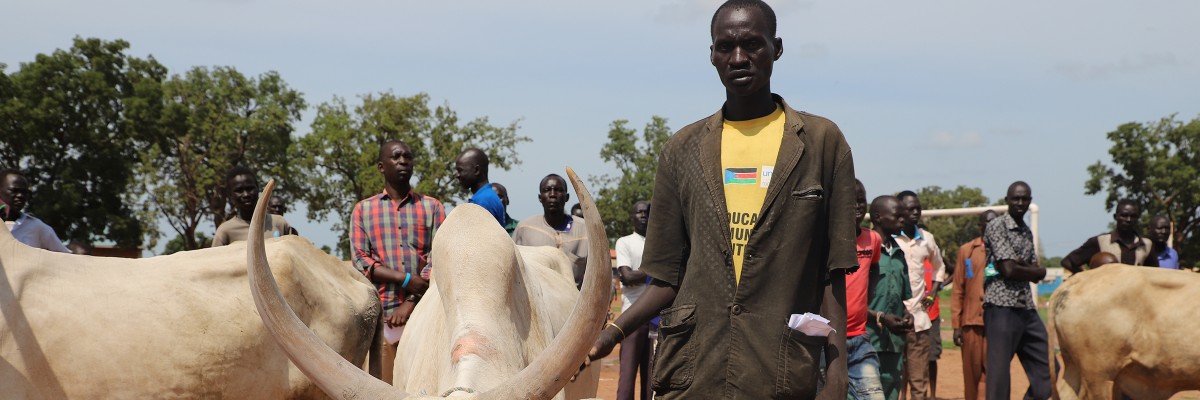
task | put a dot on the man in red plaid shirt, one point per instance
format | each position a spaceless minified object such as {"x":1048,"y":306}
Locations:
{"x":391,"y":234}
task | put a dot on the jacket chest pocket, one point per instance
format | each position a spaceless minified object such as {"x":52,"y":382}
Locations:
{"x":675,"y":358}
{"x":796,"y":376}
{"x":806,"y":201}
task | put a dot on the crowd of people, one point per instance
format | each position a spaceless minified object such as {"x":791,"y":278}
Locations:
{"x":757,"y":217}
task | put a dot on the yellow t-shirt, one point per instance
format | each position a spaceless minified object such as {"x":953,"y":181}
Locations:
{"x":748,"y":152}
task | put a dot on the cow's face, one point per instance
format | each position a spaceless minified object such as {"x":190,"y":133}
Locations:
{"x":485,"y":303}
{"x":541,"y":377}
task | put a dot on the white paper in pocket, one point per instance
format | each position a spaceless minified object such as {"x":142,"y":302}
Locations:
{"x":810,"y":324}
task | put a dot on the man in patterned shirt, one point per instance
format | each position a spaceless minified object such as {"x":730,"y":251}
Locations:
{"x":391,"y":234}
{"x":1010,"y":317}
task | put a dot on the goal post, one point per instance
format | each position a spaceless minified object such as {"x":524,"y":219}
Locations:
{"x":954,"y":212}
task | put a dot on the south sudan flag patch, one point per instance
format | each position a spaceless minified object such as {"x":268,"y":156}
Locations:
{"x":741,"y":176}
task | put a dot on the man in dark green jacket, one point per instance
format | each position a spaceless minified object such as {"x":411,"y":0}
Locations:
{"x":742,"y":237}
{"x":888,"y":289}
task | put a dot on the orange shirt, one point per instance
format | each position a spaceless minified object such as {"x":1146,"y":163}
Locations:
{"x":966,"y":297}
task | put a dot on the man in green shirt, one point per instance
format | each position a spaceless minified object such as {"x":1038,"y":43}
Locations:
{"x":510,"y":223}
{"x":888,"y":289}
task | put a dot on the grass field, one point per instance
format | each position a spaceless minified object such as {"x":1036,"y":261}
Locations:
{"x":944,"y":305}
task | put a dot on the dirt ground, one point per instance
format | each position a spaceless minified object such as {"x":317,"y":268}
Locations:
{"x":949,"y":385}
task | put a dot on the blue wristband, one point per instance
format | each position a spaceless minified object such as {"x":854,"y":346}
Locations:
{"x":407,"y":276}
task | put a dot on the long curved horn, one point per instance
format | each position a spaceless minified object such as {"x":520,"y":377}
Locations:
{"x":552,"y":369}
{"x":332,"y":373}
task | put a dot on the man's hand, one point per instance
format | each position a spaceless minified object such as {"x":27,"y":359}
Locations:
{"x":896,"y":324}
{"x":958,"y":337}
{"x":927,"y":300}
{"x":604,"y":345}
{"x":417,"y":285}
{"x":400,"y":315}
{"x":629,"y":277}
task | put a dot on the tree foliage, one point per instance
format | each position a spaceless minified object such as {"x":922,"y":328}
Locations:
{"x":178,"y":243}
{"x":1156,"y":164}
{"x":214,"y":119}
{"x":636,"y":160}
{"x":74,"y":121}
{"x":336,"y":164}
{"x":951,"y":232}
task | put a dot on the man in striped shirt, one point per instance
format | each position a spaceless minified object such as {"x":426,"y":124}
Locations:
{"x":391,"y":235}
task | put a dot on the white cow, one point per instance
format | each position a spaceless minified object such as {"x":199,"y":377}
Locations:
{"x":1128,"y":329}
{"x":493,"y":324}
{"x":178,"y":326}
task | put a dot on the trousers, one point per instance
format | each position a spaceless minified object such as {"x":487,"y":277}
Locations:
{"x":1020,"y":332}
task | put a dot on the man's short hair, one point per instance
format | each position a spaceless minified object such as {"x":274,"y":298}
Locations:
{"x":877,"y":204}
{"x":1015,"y":185}
{"x":737,"y":4}
{"x":386,"y":144}
{"x":1127,"y":202}
{"x":906,"y":194}
{"x":478,"y":156}
{"x":549,"y":177}
{"x":240,"y":170}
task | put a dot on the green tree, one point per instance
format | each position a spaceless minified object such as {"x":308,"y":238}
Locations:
{"x":1156,"y":164}
{"x":74,"y":121}
{"x":636,"y":160}
{"x":178,"y":243}
{"x":213,"y":120}
{"x":952,"y":232}
{"x":336,"y":163}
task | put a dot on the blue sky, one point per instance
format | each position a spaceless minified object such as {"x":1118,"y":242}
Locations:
{"x":928,"y":92}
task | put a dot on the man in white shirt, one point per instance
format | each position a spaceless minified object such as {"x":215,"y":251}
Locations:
{"x":635,"y":349}
{"x":921,"y":355}
{"x":15,"y":194}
